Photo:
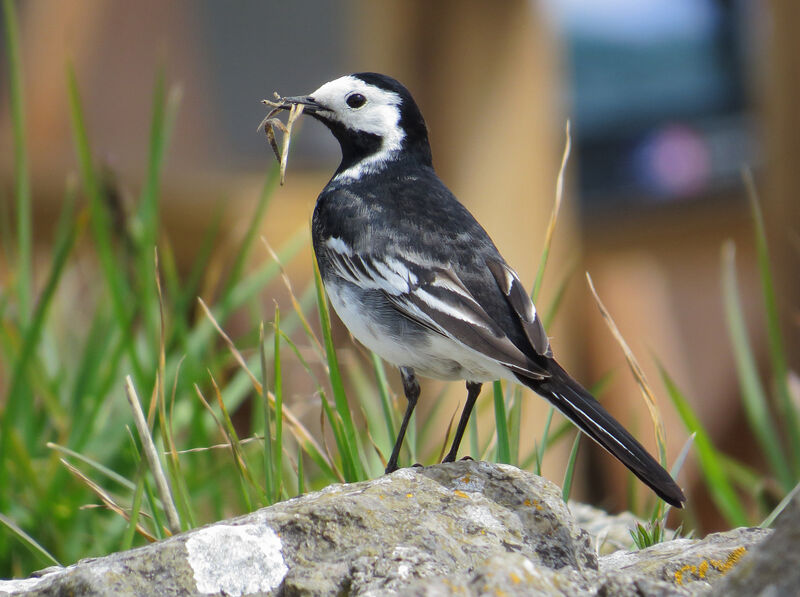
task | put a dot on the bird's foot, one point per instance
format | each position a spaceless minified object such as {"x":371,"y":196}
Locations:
{"x":452,"y":458}
{"x":390,"y":469}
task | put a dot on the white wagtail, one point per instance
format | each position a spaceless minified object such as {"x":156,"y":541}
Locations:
{"x":416,"y":279}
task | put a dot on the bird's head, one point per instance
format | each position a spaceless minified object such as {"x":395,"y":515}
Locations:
{"x":373,"y":117}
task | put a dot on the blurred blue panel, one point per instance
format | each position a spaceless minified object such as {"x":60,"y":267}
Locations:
{"x":656,"y":92}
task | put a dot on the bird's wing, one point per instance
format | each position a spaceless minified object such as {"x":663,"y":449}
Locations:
{"x":509,"y":283}
{"x":432,"y":295}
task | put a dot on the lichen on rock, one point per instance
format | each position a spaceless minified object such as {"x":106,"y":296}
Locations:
{"x":463,"y":528}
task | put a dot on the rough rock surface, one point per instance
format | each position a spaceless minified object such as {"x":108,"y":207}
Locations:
{"x":465,"y":528}
{"x":686,"y":564}
{"x":772,"y":569}
{"x":610,"y":532}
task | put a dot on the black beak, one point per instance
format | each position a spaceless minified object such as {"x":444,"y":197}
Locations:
{"x":310,"y":107}
{"x":308,"y":103}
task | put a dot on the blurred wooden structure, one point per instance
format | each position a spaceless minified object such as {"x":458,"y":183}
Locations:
{"x":781,"y":183}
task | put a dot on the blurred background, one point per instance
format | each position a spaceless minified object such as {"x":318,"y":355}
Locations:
{"x":668,"y":101}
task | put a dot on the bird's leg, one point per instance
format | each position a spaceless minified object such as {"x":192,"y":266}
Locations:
{"x":473,"y":390}
{"x":411,"y":390}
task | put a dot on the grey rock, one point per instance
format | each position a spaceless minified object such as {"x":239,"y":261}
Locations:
{"x":641,"y":586}
{"x":773,"y":567}
{"x":424,"y":522}
{"x":373,"y":536}
{"x":684,"y":560}
{"x":509,"y":574}
{"x":609,"y":532}
{"x":465,"y":528}
{"x":679,"y":567}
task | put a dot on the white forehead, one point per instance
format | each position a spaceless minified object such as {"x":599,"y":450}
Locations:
{"x":379,"y":116}
{"x":339,"y":89}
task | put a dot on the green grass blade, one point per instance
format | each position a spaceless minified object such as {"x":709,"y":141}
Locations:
{"x":29,"y":542}
{"x":675,"y":470}
{"x":569,"y":474}
{"x":746,"y":478}
{"x":558,"y":299}
{"x":164,"y":111}
{"x":186,"y":290}
{"x":337,"y":428}
{"x":17,"y":388}
{"x":474,"y":439}
{"x":720,"y":488}
{"x":753,"y":395}
{"x":661,"y":509}
{"x":515,"y":424}
{"x":24,"y":269}
{"x":278,"y":382}
{"x":350,"y":456}
{"x":551,"y":225}
{"x":267,"y":192}
{"x":301,"y":483}
{"x":96,"y":341}
{"x":101,"y":229}
{"x":103,"y":344}
{"x":361,"y":384}
{"x":313,"y":451}
{"x":152,"y":456}
{"x":200,"y":337}
{"x":385,"y":395}
{"x":269,"y":482}
{"x":6,"y":238}
{"x":503,"y":448}
{"x":136,"y":506}
{"x":780,"y":369}
{"x":156,"y":522}
{"x":146,"y":224}
{"x":100,"y":468}
{"x":158,"y":525}
{"x":769,"y":520}
{"x":543,"y":443}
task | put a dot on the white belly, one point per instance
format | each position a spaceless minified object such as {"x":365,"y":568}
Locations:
{"x":430,"y":354}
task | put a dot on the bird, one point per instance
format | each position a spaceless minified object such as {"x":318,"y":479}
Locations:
{"x":416,"y":279}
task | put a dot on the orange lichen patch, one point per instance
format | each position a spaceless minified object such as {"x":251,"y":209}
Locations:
{"x":681,"y":571}
{"x":457,"y":589}
{"x":732,"y":559}
{"x":535,"y":503}
{"x":701,"y":571}
{"x":515,"y":579}
{"x":461,"y":494}
{"x":380,"y":497}
{"x":465,"y":479}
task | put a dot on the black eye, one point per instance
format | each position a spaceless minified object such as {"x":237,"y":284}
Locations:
{"x":356,"y":100}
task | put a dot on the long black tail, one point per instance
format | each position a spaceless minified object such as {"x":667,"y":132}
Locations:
{"x":577,"y":404}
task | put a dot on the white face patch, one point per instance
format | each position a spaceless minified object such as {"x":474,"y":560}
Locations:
{"x":380,"y":116}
